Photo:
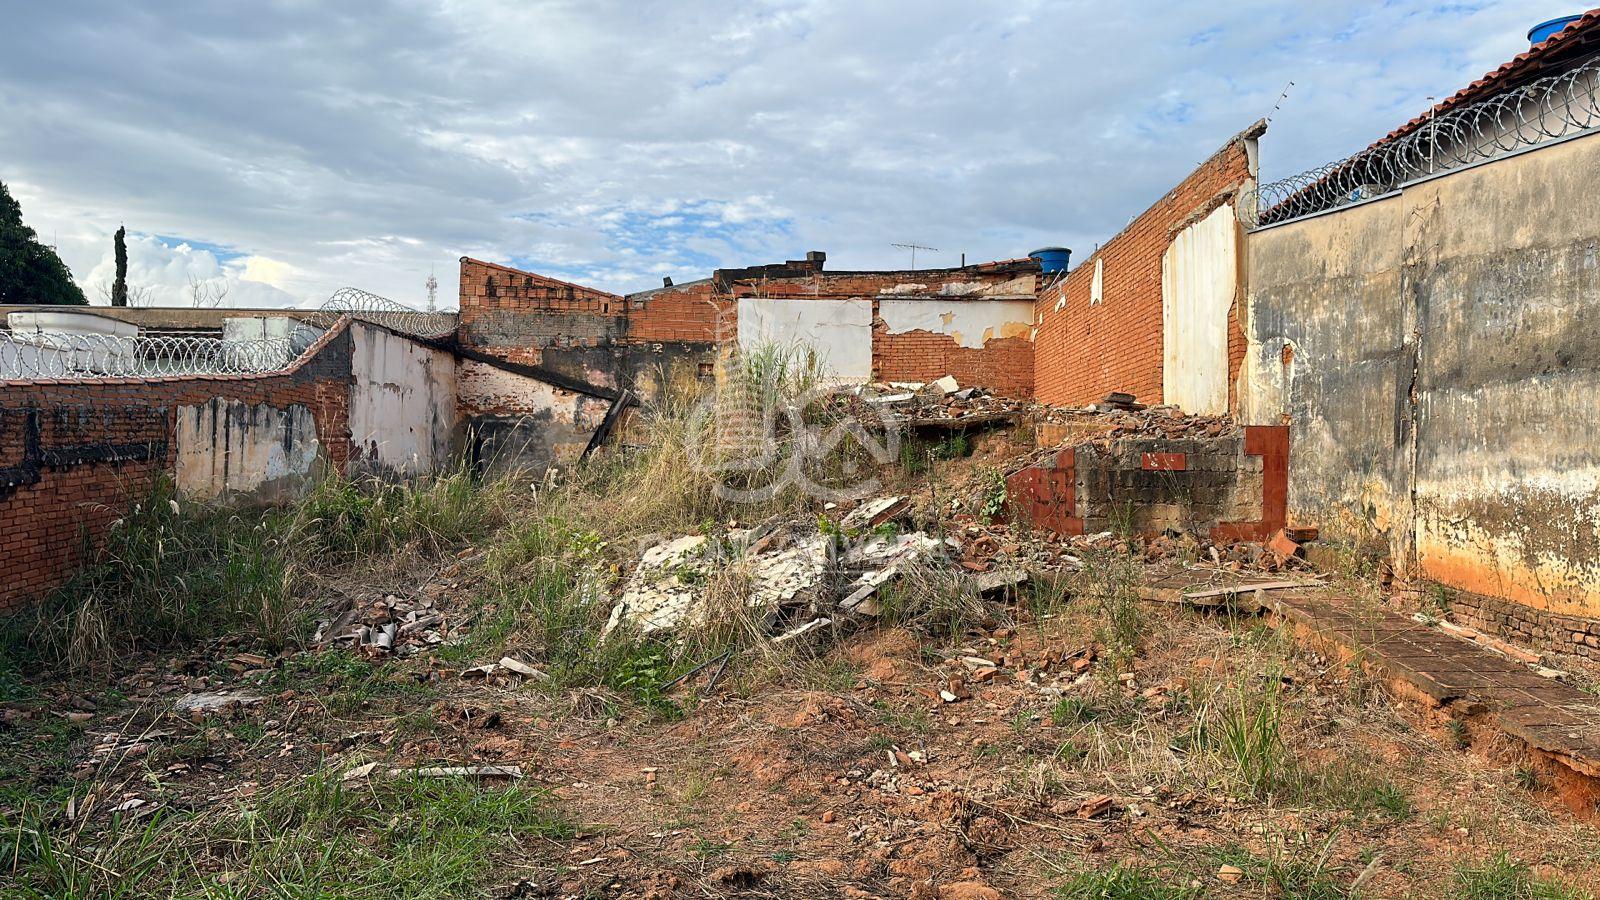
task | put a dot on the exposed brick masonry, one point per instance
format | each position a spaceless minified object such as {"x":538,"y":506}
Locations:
{"x":74,"y":453}
{"x":1084,"y":352}
{"x":614,"y":341}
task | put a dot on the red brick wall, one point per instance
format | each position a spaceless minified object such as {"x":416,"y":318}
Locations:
{"x":74,"y":453}
{"x":1084,"y":352}
{"x":516,"y":315}
{"x":1003,"y":365}
{"x":523,"y":317}
{"x":690,"y":312}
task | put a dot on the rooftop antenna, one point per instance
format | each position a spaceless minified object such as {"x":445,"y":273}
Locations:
{"x":433,"y":291}
{"x":914,"y":248}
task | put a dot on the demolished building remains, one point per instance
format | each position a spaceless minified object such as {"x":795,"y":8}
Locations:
{"x":1392,"y":349}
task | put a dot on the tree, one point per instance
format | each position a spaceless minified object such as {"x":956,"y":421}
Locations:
{"x":30,"y":272}
{"x":206,"y":294}
{"x":119,"y":288}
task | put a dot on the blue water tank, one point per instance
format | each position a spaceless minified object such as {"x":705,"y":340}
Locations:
{"x":1052,"y":259}
{"x":1541,"y":32}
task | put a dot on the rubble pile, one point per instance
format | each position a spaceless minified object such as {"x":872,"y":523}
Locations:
{"x":791,"y":579}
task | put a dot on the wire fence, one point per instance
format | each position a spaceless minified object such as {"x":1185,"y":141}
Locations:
{"x":368,"y":307}
{"x":56,"y":355}
{"x":1553,"y":107}
{"x":62,"y":355}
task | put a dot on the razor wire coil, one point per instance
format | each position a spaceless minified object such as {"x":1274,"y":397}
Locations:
{"x":1552,"y":107}
{"x":59,"y":355}
{"x":369,"y":307}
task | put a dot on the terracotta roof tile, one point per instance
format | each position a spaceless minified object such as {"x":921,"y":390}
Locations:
{"x":1584,"y":33}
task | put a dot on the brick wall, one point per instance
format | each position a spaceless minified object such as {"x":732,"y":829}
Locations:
{"x":1085,"y":351}
{"x":516,"y":315}
{"x":1566,"y":636}
{"x":74,"y":453}
{"x":1003,"y":365}
{"x":647,"y":339}
{"x":1230,"y":487}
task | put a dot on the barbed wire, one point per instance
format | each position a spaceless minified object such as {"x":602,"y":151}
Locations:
{"x":56,"y":355}
{"x":369,"y":307}
{"x":1541,"y":111}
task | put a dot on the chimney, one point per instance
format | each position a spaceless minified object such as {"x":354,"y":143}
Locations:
{"x":816,"y":258}
{"x":666,"y":281}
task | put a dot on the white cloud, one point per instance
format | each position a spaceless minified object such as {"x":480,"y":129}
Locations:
{"x":331,"y":146}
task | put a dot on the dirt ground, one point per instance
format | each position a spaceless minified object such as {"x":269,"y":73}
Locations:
{"x":850,"y":773}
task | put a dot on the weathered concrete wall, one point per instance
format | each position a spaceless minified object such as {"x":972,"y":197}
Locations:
{"x":1229,"y":487}
{"x":1330,"y":352}
{"x":1506,"y":272}
{"x":839,"y":330}
{"x":1444,"y":345}
{"x":519,"y":422}
{"x":402,"y":403}
{"x":225,"y":447}
{"x":970,"y":323}
{"x":1199,"y":283}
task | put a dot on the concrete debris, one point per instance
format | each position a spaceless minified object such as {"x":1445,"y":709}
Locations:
{"x":883,"y":558}
{"x":522,"y":668}
{"x":214,"y":702}
{"x":945,"y":385}
{"x":459,"y":772}
{"x":661,"y":591}
{"x":668,"y":588}
{"x":872,"y":513}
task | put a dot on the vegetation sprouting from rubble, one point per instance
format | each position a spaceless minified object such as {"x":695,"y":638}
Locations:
{"x":1061,"y":736}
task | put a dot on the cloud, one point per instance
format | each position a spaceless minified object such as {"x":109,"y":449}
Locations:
{"x":299,"y":147}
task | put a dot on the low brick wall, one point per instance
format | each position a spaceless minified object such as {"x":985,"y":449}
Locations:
{"x":1002,"y":365}
{"x":74,"y":453}
{"x":1230,"y":487}
{"x":1571,"y":637}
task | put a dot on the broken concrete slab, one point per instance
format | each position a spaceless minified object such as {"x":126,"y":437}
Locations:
{"x":214,"y":702}
{"x":872,"y":513}
{"x":668,"y":588}
{"x":656,"y":597}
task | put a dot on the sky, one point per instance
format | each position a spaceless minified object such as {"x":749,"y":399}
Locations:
{"x":281,"y":150}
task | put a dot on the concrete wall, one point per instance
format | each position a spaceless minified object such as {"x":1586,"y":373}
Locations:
{"x":1331,"y":353}
{"x":519,"y":422}
{"x":839,"y":330}
{"x":1442,"y":371}
{"x":402,"y":403}
{"x":1199,"y":281}
{"x":225,"y":447}
{"x":969,"y":323}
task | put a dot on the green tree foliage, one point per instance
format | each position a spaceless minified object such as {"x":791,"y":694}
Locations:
{"x":30,"y":272}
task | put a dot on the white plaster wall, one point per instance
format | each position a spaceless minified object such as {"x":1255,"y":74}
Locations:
{"x":1199,"y":278}
{"x":227,"y":447}
{"x":970,"y":322}
{"x":483,"y":389}
{"x":840,"y":331}
{"x":402,"y":402}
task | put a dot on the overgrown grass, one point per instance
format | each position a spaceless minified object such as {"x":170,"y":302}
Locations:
{"x":1502,"y":878}
{"x":318,"y":837}
{"x":1126,"y":882}
{"x":1294,"y":874}
{"x":1110,"y":580}
{"x":170,"y":573}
